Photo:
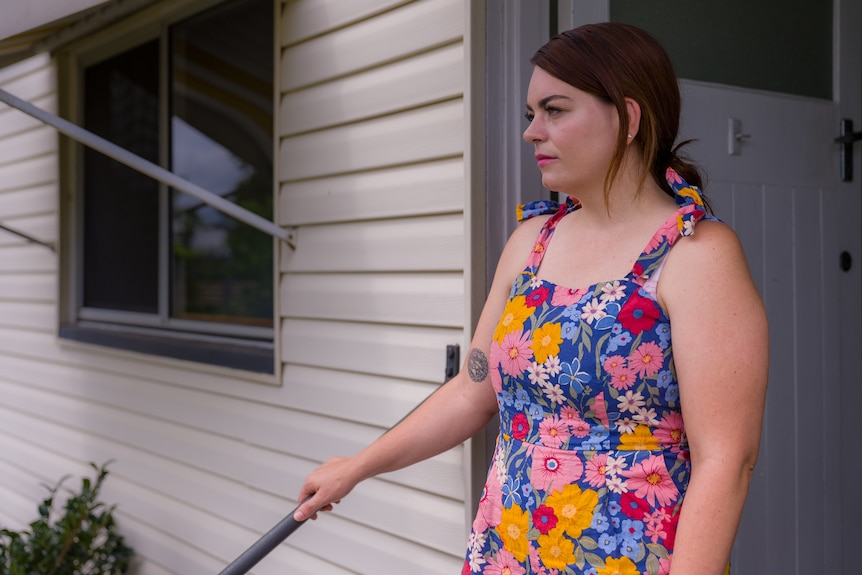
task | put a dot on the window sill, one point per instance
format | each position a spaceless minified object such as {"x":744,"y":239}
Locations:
{"x":255,"y":357}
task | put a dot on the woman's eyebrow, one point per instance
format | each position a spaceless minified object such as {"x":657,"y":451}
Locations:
{"x":548,"y":99}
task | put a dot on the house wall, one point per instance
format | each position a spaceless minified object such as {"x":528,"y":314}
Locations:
{"x":372,"y":183}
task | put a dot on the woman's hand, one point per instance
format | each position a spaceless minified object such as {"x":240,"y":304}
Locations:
{"x":324,"y":487}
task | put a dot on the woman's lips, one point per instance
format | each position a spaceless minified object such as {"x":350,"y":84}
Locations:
{"x":543,"y":160}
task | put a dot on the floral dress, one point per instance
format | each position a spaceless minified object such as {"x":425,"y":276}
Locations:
{"x":591,"y":462}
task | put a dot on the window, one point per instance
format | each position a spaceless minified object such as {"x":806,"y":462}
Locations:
{"x":156,"y":270}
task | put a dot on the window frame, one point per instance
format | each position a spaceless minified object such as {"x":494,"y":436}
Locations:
{"x":228,"y":345}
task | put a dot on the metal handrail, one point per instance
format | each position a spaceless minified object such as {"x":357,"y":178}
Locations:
{"x":28,"y":237}
{"x":263,"y":546}
{"x":146,"y":167}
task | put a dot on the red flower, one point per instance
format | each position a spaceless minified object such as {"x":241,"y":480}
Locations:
{"x":638,"y":314}
{"x":538,"y":297}
{"x":544,"y":519}
{"x":520,"y":426}
{"x":465,"y":570}
{"x":670,"y":529}
{"x":633,"y":506}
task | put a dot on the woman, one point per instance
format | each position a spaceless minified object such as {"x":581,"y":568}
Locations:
{"x":594,"y":470}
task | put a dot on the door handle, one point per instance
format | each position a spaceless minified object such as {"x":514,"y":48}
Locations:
{"x":846,"y":139}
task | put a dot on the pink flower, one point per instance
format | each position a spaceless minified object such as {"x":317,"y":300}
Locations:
{"x":490,"y":510}
{"x":553,"y":431}
{"x":623,"y":378}
{"x":494,"y":360}
{"x":614,"y":363}
{"x":651,"y":481}
{"x":672,"y":177}
{"x":517,"y":354}
{"x":552,"y":469}
{"x":579,"y":427}
{"x":596,"y":469}
{"x":503,"y":563}
{"x":538,"y":249}
{"x":569,"y":414}
{"x":566,"y":296}
{"x":670,"y":431}
{"x":646,"y":359}
{"x":601,"y":410}
{"x":668,"y":229}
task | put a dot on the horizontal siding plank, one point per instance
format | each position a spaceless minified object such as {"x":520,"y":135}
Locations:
{"x":307,"y":18}
{"x":28,"y":315}
{"x":26,"y":257}
{"x":29,"y":287}
{"x":40,"y":62}
{"x":369,"y":399}
{"x":36,"y":142}
{"x":28,"y":201}
{"x":29,"y":173}
{"x":17,"y":510}
{"x":415,"y":28}
{"x":434,"y":243}
{"x":410,"y":137}
{"x":430,"y":77}
{"x":394,"y":351}
{"x":419,"y":299}
{"x":434,"y":187}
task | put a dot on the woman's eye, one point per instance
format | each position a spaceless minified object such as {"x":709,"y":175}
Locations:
{"x":529,"y":116}
{"x":552,"y":111}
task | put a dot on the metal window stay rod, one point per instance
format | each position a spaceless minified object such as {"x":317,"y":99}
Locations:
{"x":145,"y":167}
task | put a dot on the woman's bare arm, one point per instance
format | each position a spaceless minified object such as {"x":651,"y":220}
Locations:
{"x":456,"y":411}
{"x":720,"y":343}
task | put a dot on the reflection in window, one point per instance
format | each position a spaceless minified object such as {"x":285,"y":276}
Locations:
{"x":221,"y":139}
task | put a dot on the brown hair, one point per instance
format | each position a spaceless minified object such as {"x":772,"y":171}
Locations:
{"x":614,"y":61}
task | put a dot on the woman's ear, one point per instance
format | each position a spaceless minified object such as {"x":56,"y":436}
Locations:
{"x":634,"y":111}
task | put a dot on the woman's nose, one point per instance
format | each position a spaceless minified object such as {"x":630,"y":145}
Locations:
{"x":533,"y":133}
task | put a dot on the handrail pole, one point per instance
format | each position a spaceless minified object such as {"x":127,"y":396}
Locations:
{"x":144,"y":166}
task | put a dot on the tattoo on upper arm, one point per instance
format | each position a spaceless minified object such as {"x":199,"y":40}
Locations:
{"x":477,"y":366}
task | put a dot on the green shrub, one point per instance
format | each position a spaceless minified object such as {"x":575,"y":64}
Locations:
{"x":80,"y":541}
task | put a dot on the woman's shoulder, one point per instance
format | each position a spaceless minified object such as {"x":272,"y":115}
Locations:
{"x":709,"y":263}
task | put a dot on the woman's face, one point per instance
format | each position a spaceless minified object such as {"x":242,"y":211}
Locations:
{"x":574,"y":135}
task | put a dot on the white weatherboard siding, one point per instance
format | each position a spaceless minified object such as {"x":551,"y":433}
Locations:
{"x":371,"y":179}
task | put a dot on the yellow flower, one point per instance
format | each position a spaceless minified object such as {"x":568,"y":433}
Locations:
{"x":513,"y":528}
{"x":573,"y":508}
{"x":692,"y":193}
{"x":556,"y":550}
{"x":546,"y":341}
{"x":621,"y":566}
{"x":641,"y":440}
{"x":514,"y":315}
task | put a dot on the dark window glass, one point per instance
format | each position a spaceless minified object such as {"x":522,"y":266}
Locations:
{"x":121,"y":206}
{"x":780,"y":46}
{"x":221,"y":139}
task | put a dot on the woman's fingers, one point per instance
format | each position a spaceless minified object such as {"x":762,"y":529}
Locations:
{"x":322,"y":489}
